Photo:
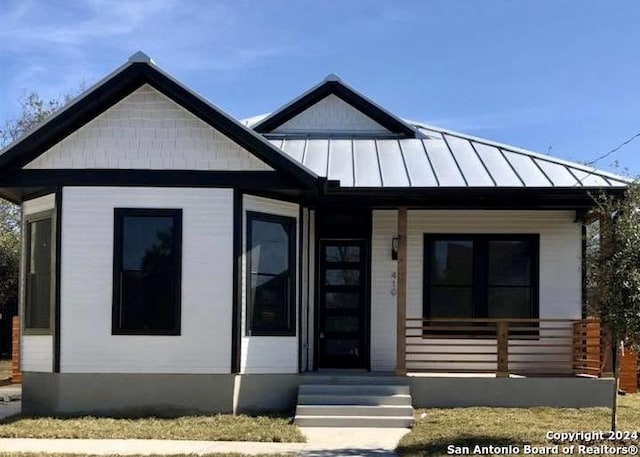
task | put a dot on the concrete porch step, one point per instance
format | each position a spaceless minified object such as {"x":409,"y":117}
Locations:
{"x":353,"y":410}
{"x":368,"y":379}
{"x":354,"y":421}
{"x":354,"y":401}
{"x":364,"y":400}
{"x":353,"y":389}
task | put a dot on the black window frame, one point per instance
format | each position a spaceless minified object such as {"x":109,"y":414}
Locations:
{"x":29,"y":219}
{"x":291,"y":224}
{"x":480,"y":273}
{"x":119,"y":215}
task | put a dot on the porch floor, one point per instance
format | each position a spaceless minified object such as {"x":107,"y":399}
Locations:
{"x":493,"y":375}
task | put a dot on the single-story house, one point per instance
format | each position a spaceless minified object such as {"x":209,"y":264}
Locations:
{"x":176,"y":259}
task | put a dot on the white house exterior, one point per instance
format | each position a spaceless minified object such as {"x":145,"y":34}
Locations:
{"x":177,"y":260}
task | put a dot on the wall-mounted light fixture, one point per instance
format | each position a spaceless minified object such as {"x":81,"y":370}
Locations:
{"x":394,"y":248}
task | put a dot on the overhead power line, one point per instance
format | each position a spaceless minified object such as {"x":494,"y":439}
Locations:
{"x":605,"y":155}
{"x":617,"y":148}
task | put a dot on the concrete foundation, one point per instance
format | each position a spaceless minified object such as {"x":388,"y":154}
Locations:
{"x":125,"y":394}
{"x":155,"y":394}
{"x":452,"y":392}
{"x":173,"y":395}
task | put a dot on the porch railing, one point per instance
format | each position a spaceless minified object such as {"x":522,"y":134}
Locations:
{"x":505,"y":347}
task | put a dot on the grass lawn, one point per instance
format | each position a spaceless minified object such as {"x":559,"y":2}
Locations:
{"x":505,"y":426}
{"x":42,"y":454}
{"x":222,"y":427}
{"x":5,"y":369}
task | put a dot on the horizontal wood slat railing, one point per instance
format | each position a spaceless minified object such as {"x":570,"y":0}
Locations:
{"x":505,"y":346}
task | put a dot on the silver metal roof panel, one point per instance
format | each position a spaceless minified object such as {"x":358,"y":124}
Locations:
{"x":559,"y":175}
{"x":316,"y":156}
{"x":392,"y":166}
{"x":341,"y":162}
{"x":418,"y":165}
{"x":527,"y":170}
{"x":467,"y":159}
{"x":442,"y":158}
{"x":295,"y":149}
{"x":443,"y":162}
{"x":587,"y":179}
{"x":367,"y":167}
{"x":498,"y":167}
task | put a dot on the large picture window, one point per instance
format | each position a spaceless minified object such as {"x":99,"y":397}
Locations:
{"x":147,"y":271}
{"x":271,"y":279}
{"x":481,"y":276}
{"x":38,"y":278}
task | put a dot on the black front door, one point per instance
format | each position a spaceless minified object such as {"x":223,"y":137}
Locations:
{"x":342,"y":287}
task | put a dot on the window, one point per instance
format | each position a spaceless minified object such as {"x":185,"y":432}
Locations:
{"x":38,"y":280}
{"x":147,"y":271}
{"x":481,"y":276}
{"x":271,"y":280}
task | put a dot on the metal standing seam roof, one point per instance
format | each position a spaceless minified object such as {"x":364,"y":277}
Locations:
{"x":441,"y":158}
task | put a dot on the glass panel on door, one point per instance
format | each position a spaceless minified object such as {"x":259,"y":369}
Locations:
{"x":341,"y":310}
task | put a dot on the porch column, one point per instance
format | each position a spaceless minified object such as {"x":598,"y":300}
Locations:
{"x":401,"y":297}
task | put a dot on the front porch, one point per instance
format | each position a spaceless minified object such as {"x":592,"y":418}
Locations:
{"x":518,"y":312}
{"x":450,"y":268}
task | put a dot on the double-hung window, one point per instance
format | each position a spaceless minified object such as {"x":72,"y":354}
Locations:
{"x":271,"y":274}
{"x":147,"y":271}
{"x":38,"y":279}
{"x":480,"y":276}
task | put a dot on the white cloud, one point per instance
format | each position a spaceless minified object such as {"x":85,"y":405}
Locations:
{"x":52,"y":48}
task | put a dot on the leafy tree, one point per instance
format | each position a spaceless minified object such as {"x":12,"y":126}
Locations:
{"x":34,"y":110}
{"x":614,"y":274}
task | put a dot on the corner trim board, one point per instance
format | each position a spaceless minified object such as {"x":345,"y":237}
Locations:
{"x":237,"y":284}
{"x":57,"y":281}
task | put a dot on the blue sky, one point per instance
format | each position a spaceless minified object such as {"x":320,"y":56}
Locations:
{"x":548,"y":75}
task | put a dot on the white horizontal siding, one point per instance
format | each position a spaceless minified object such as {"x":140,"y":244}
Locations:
{"x":204,"y":345}
{"x":383,"y":291}
{"x":36,"y":351}
{"x":331,"y":114}
{"x":560,"y":286}
{"x":146,"y":130}
{"x":268,"y":354}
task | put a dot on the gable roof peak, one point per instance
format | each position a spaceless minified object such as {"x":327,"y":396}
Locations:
{"x":333,"y":85}
{"x":332,"y":77}
{"x":140,"y":57}
{"x":138,"y":71}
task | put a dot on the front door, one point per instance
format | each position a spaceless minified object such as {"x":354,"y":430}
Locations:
{"x":342,"y":287}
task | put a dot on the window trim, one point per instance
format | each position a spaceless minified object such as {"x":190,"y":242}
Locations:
{"x":291,"y":222}
{"x":29,"y":218}
{"x":480,"y":284}
{"x":118,"y":218}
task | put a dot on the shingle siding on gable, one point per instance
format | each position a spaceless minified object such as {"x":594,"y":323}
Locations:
{"x":146,"y":130}
{"x":331,"y":114}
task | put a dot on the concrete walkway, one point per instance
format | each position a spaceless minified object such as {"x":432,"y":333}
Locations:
{"x":10,"y":400}
{"x":321,"y":442}
{"x":10,"y":392}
